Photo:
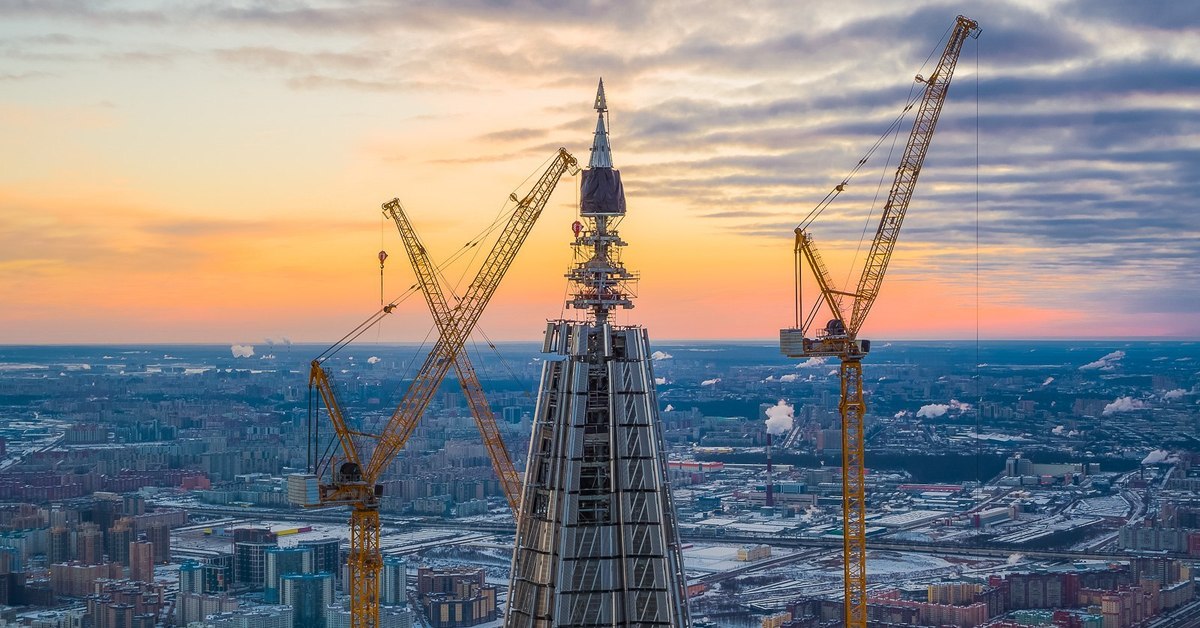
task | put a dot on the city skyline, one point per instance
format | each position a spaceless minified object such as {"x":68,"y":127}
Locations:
{"x":213,"y":174}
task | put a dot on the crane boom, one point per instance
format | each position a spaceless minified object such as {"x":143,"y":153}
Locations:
{"x":840,"y":339}
{"x":909,"y":169}
{"x":356,"y":484}
{"x":404,"y":420}
{"x":435,"y":298}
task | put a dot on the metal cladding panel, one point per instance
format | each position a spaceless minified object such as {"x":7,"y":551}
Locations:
{"x":548,"y":339}
{"x":602,"y":550}
{"x":601,"y":193}
{"x":637,"y":347}
{"x":606,"y":340}
{"x":629,"y":377}
{"x":579,"y":341}
{"x":643,"y":508}
{"x":633,"y":444}
{"x":560,"y":340}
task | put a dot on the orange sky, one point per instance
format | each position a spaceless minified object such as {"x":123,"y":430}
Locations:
{"x":176,"y":176}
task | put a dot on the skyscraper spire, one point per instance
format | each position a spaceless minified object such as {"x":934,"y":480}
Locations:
{"x":597,"y":543}
{"x":601,"y":152}
{"x":600,"y":282}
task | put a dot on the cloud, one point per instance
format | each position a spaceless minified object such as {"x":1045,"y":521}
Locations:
{"x":1105,"y":363}
{"x":373,"y":360}
{"x":1178,"y":393}
{"x":661,"y":355}
{"x":811,"y":363}
{"x":1058,"y":430}
{"x":242,"y":351}
{"x":659,"y":381}
{"x":710,"y":382}
{"x":669,"y":408}
{"x":790,"y":377}
{"x":728,"y":113}
{"x":1124,"y":404}
{"x":779,"y":418}
{"x":1049,"y":380}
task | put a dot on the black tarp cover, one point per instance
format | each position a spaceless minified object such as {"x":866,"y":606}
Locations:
{"x":601,"y":192}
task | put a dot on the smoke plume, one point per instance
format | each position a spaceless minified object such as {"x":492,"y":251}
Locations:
{"x":779,"y":418}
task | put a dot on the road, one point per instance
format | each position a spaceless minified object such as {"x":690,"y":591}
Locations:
{"x":328,"y":516}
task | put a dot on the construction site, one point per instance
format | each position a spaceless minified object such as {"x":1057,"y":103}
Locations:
{"x":819,"y":471}
{"x":597,"y":541}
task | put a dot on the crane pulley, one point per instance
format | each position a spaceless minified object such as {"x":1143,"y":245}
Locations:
{"x":839,"y":338}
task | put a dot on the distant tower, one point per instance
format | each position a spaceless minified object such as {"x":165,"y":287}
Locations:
{"x":597,"y":544}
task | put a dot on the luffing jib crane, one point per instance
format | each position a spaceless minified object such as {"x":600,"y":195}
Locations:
{"x":839,"y":338}
{"x":443,"y":316}
{"x":352,"y":477}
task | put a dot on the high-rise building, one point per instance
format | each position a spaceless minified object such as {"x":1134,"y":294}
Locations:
{"x":255,"y":617}
{"x":141,"y":561}
{"x":160,"y":535}
{"x":326,"y":556}
{"x":250,"y":563}
{"x":389,"y":617}
{"x":307,"y":595}
{"x":597,"y":543}
{"x":89,"y":544}
{"x":190,"y":607}
{"x":120,"y":535}
{"x":283,"y":561}
{"x":191,"y":577}
{"x":393,"y":582}
{"x":60,"y":545}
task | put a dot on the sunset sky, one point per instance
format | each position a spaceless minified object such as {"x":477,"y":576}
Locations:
{"x":213,"y":171}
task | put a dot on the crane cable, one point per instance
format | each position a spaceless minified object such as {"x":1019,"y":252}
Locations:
{"x":978,"y":379}
{"x":386,"y":309}
{"x":827,"y":200}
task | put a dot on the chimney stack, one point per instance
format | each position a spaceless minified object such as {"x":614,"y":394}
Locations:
{"x":770,"y":482}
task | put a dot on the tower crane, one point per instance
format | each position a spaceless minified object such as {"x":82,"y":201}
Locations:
{"x":352,"y":477}
{"x":443,"y":317}
{"x":839,"y":338}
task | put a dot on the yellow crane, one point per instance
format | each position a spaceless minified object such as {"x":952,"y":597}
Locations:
{"x":352,"y":476}
{"x":839,"y":338}
{"x":443,"y":316}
